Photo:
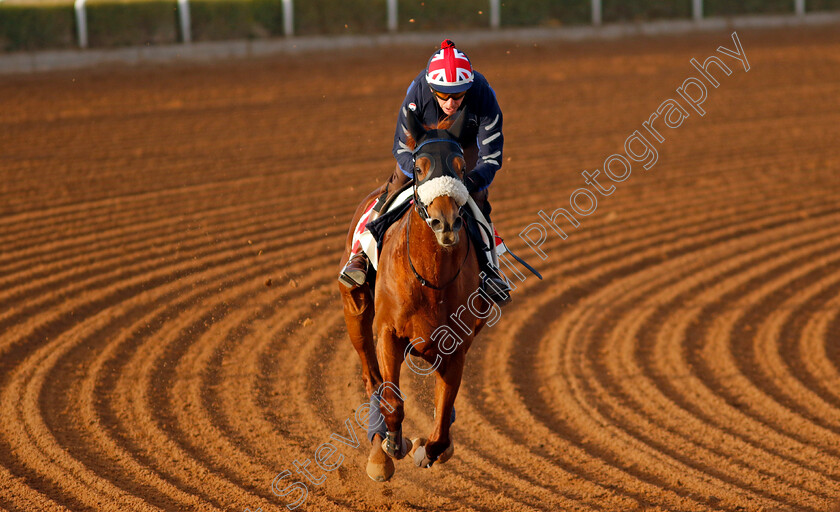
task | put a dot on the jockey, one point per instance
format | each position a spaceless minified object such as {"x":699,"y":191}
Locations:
{"x":448,"y":85}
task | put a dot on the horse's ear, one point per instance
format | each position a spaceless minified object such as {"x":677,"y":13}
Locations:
{"x":414,"y":126}
{"x":457,"y":125}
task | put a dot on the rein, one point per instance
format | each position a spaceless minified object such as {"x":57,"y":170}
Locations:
{"x":423,"y":281}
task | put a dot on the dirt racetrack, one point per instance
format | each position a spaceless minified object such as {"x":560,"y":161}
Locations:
{"x":171,"y":336}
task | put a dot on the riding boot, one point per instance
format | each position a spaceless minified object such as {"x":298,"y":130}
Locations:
{"x":495,"y":286}
{"x":355,"y":270}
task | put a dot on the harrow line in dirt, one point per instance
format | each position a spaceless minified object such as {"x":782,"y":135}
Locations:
{"x":779,"y":357}
{"x":565,"y":443}
{"x":645,"y":396}
{"x":737,"y":313}
{"x":815,"y":360}
{"x":680,"y":354}
{"x":113,"y":229}
{"x":121,"y":273}
{"x":50,"y":347}
{"x":188,"y":301}
{"x":187,"y":472}
{"x":663,"y":310}
{"x":160,"y":317}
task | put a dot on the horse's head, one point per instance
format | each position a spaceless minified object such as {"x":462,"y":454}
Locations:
{"x":439,"y":172}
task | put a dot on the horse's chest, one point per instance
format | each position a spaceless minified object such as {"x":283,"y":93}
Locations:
{"x":422,"y":318}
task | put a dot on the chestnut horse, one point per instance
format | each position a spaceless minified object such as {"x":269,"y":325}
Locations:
{"x":428,"y":272}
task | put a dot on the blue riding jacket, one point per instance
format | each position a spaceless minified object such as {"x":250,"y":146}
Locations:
{"x":482,"y":129}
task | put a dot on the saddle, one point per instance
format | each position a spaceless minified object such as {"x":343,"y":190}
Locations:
{"x":375,"y":222}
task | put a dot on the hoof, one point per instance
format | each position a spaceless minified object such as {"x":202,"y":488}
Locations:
{"x":418,"y":446}
{"x":417,"y":442}
{"x":419,"y":453}
{"x":420,"y":459}
{"x":380,"y":467}
{"x":380,"y":471}
{"x":446,"y":455}
{"x":397,"y":454}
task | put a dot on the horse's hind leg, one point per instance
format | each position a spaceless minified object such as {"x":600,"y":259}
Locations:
{"x":358,"y":316}
{"x":358,"y":310}
{"x":448,"y":381}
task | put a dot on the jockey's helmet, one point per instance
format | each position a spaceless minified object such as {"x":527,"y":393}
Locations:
{"x":449,"y":71}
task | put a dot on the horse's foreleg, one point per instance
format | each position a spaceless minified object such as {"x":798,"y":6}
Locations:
{"x":358,"y":316}
{"x":447,"y":383}
{"x":390,"y":356}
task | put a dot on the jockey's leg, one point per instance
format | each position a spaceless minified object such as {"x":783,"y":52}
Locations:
{"x":354,"y":272}
{"x":492,"y":281}
{"x":480,"y":198}
{"x":395,"y":183}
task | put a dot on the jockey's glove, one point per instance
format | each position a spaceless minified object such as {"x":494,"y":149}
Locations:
{"x":474,"y":182}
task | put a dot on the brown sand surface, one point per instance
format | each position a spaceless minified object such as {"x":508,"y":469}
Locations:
{"x":682,"y":353}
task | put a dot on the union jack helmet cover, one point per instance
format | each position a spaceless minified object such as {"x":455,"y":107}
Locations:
{"x":449,"y":70}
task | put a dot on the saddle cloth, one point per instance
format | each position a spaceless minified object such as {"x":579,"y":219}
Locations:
{"x":364,"y":239}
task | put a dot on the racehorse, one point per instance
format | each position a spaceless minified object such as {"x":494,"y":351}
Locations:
{"x":428,"y":272}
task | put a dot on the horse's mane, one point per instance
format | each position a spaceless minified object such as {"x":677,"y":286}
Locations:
{"x":441,"y":125}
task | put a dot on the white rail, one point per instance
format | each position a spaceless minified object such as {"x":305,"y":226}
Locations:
{"x":81,"y":22}
{"x":392,"y":15}
{"x":80,"y":7}
{"x":184,"y":17}
{"x":495,"y":14}
{"x":288,"y":18}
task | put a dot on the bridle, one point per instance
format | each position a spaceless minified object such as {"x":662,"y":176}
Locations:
{"x":441,"y":165}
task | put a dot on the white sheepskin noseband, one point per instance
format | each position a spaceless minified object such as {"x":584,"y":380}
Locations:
{"x":443,"y":186}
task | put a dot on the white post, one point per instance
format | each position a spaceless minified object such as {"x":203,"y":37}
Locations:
{"x":81,"y":22}
{"x":184,"y":16}
{"x":596,"y":12}
{"x":288,"y":18}
{"x":697,"y":9}
{"x":495,"y":15}
{"x":392,"y":15}
{"x":799,"y":5}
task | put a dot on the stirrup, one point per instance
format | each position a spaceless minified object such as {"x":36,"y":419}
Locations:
{"x":496,"y":288}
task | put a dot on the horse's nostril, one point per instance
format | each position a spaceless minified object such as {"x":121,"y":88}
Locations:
{"x":436,"y":225}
